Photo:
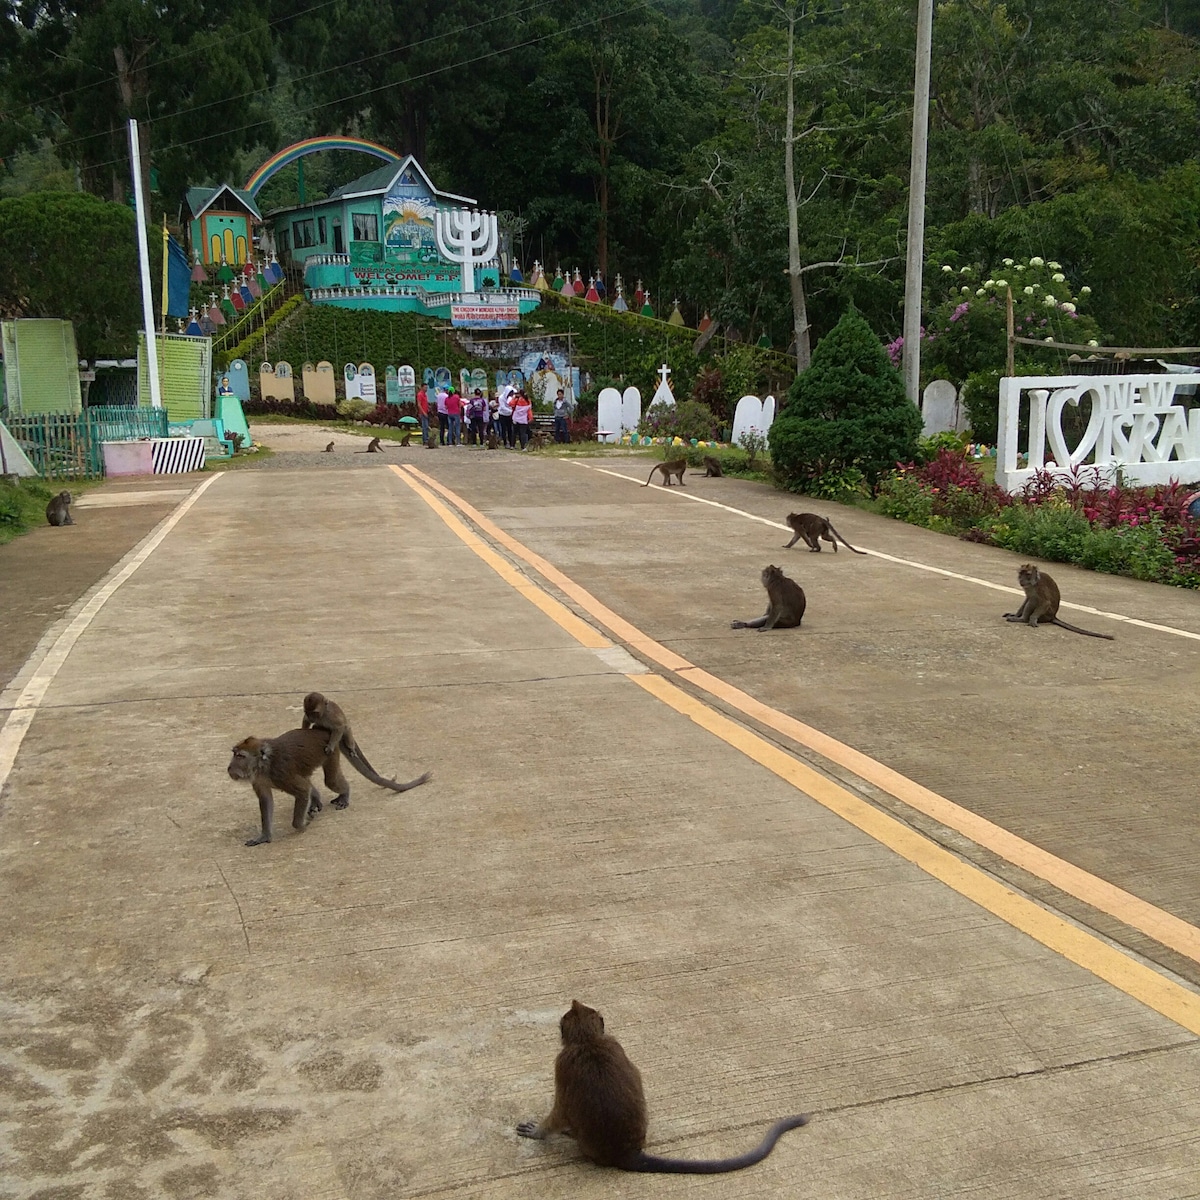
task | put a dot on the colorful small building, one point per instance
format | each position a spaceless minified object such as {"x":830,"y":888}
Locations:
{"x":222,"y":221}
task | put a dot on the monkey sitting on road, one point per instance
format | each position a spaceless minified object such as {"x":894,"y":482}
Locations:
{"x":1041,"y":603}
{"x":373,"y":447}
{"x":675,"y":467}
{"x":712,"y":468}
{"x":406,"y":438}
{"x":598,"y":1099}
{"x":785,"y":603}
{"x":328,"y":449}
{"x":812,"y":529}
{"x":320,"y":713}
{"x":493,"y":442}
{"x":58,"y":511}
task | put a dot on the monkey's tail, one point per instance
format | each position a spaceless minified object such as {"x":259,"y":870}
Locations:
{"x":844,"y":542}
{"x":718,"y":1166}
{"x":1086,"y":632}
{"x":651,"y":476}
{"x":358,"y":761}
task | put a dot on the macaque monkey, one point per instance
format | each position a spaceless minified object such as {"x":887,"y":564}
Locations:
{"x":328,"y":449}
{"x":373,"y":447}
{"x":785,"y":603}
{"x":1041,"y":603}
{"x":712,"y":468}
{"x":406,"y":438}
{"x":598,"y":1100}
{"x":812,"y":529}
{"x":675,"y":467}
{"x":58,"y":511}
{"x":493,"y":442}
{"x":287,"y":762}
{"x":320,"y":713}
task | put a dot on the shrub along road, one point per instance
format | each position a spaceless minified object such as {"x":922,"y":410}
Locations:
{"x":626,"y":809}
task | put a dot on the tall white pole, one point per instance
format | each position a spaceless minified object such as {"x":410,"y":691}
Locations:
{"x":135,"y":165}
{"x":916,"y":204}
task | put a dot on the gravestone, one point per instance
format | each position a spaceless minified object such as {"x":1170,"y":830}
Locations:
{"x":318,"y":383}
{"x":406,"y":379}
{"x":609,"y":415}
{"x":748,"y":415}
{"x":285,"y":382}
{"x":663,"y":394}
{"x":391,"y":385}
{"x":350,"y":374}
{"x":631,"y":410}
{"x":366,"y":383}
{"x":239,"y":379}
{"x":442,"y":378}
{"x":266,"y":381}
{"x":939,"y":407}
{"x":768,"y":413}
{"x":478,"y":380}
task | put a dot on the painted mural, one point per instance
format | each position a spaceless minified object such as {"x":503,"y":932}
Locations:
{"x":408,"y":215}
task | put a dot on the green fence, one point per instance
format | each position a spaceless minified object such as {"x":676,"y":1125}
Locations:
{"x":68,"y":445}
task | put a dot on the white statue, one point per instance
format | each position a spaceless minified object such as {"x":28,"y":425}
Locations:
{"x":466,"y":236}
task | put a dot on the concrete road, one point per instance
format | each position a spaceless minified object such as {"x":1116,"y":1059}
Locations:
{"x":923,"y":874}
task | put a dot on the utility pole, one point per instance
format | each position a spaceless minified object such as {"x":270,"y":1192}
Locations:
{"x":914,"y":268}
{"x":135,"y":164}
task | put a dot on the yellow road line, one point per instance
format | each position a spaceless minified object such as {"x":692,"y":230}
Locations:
{"x":906,"y":562}
{"x":1162,"y":926}
{"x":1106,"y":962}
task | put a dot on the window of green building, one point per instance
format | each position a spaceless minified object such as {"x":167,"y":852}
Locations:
{"x":366,"y":227}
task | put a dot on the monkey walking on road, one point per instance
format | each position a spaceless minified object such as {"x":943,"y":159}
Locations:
{"x":58,"y":511}
{"x":675,"y":467}
{"x":1041,"y":603}
{"x":812,"y":529}
{"x":785,"y":603}
{"x":598,"y":1099}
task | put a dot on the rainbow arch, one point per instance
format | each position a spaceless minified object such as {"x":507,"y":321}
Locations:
{"x":289,"y":154}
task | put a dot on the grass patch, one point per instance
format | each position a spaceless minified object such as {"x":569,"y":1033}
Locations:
{"x":23,"y":503}
{"x":247,"y":458}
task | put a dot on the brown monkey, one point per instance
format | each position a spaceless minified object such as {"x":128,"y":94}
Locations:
{"x":1041,"y":603}
{"x":328,"y":449}
{"x":812,"y":529}
{"x":373,"y":447}
{"x":493,"y":442}
{"x":287,"y":762}
{"x":598,"y":1099}
{"x":58,"y":511}
{"x":320,"y":713}
{"x":712,"y":468}
{"x":675,"y":467}
{"x":406,"y":438}
{"x":538,"y":440}
{"x":785,"y":603}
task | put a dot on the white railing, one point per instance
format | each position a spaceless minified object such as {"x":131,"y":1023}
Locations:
{"x":1135,"y":427}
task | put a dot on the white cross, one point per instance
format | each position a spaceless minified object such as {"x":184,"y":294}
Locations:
{"x":663,"y":372}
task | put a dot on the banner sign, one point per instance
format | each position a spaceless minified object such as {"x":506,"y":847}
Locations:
{"x":485,"y":316}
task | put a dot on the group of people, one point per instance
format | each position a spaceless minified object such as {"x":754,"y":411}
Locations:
{"x":507,"y":413}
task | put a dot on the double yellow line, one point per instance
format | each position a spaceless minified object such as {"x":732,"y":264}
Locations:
{"x":1116,"y":967}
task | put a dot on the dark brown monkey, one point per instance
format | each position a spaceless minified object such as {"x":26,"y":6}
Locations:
{"x":320,"y":713}
{"x":493,"y":442}
{"x":712,"y":468}
{"x":812,"y":529}
{"x":598,"y":1099}
{"x":675,"y":467}
{"x":1041,"y":603}
{"x":406,"y":438}
{"x":373,"y":447}
{"x":328,"y":449}
{"x":785,"y":603}
{"x":58,"y":511}
{"x":287,"y":762}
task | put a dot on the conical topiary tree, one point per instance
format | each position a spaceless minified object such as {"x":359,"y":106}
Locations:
{"x":847,"y":410}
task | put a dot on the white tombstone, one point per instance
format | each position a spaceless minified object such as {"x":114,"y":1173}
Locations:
{"x":631,"y":410}
{"x":768,"y":413}
{"x":406,"y":377}
{"x":350,"y":374}
{"x":608,"y":415}
{"x":939,"y":407}
{"x":366,"y":383}
{"x":663,"y":394}
{"x":748,"y":415}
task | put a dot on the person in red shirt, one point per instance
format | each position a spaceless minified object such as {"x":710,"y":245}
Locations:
{"x":423,"y":412}
{"x":454,"y":412}
{"x":522,"y":417}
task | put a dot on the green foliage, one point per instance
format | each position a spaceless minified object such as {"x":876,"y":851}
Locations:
{"x":839,"y":486}
{"x":980,"y":397}
{"x":73,"y":256}
{"x":22,"y":507}
{"x":930,"y":447}
{"x":688,"y":420}
{"x":847,"y":410}
{"x":355,"y":410}
{"x":754,"y":442}
{"x":250,"y":346}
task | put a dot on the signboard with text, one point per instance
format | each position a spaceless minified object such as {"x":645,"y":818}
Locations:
{"x":485,"y":316}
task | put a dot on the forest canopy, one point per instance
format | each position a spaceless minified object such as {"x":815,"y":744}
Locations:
{"x":648,"y":138}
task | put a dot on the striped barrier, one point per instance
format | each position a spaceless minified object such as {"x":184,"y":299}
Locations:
{"x":173,"y":456}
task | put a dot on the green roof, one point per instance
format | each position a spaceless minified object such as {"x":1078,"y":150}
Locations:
{"x":377,"y":180}
{"x":200,"y":199}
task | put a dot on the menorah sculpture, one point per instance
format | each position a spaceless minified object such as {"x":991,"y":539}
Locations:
{"x":468,"y":237}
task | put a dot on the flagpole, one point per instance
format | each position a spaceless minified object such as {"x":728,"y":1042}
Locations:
{"x":165,"y":281}
{"x":914,"y":267}
{"x":135,"y":165}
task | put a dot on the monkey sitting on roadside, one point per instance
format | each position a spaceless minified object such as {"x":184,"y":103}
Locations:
{"x":812,"y":529}
{"x":538,"y":440}
{"x":320,"y":713}
{"x":675,"y":467}
{"x":1041,"y":603}
{"x":712,"y":468}
{"x":598,"y":1099}
{"x":406,"y":438}
{"x":58,"y":511}
{"x":328,"y":449}
{"x":785,"y":603}
{"x":373,"y":447}
{"x":493,"y":442}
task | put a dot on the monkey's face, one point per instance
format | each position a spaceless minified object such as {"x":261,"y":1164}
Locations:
{"x":770,"y":574}
{"x":314,"y":704}
{"x":1028,"y":576}
{"x":245,"y":761}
